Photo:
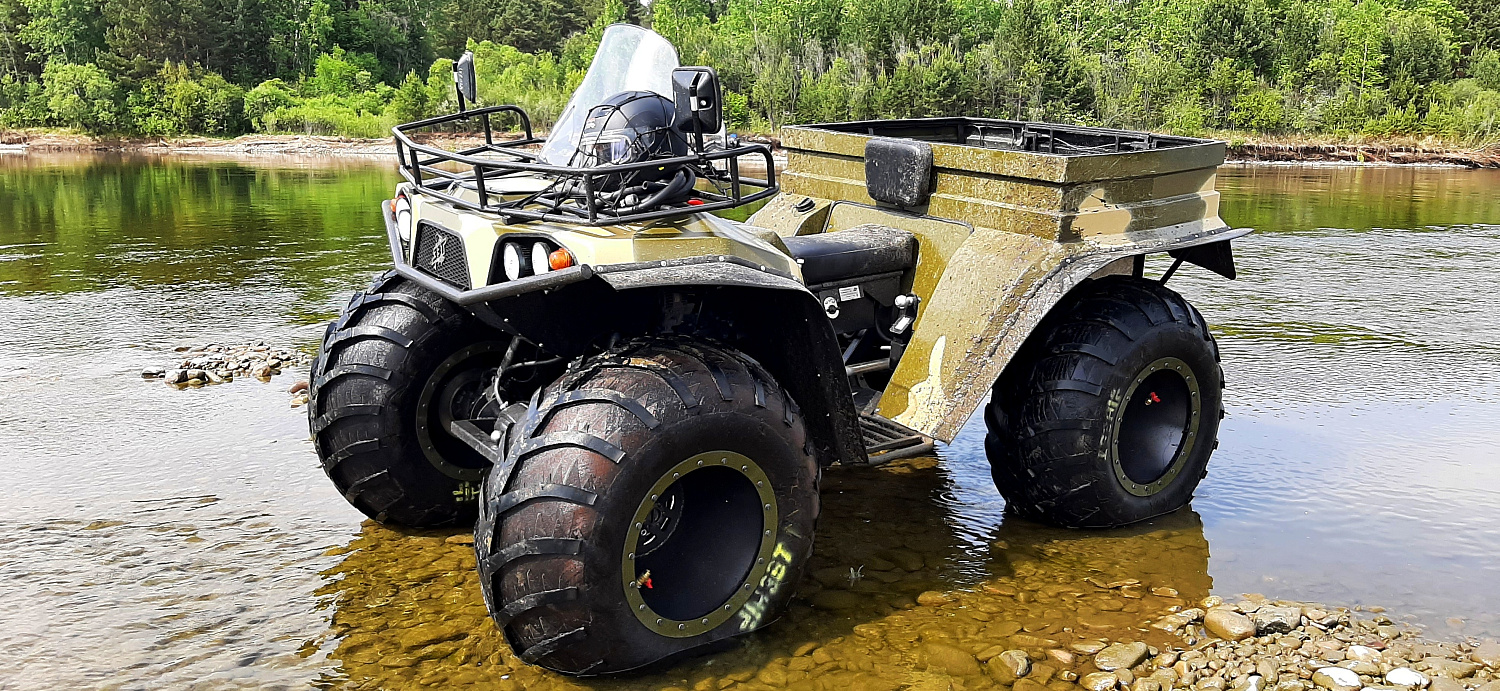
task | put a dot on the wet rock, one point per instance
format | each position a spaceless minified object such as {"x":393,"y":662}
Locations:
{"x":460,"y":539}
{"x":300,"y":400}
{"x":176,"y":376}
{"x":1492,"y":686}
{"x":299,"y":387}
{"x":1229,"y":625}
{"x":1270,"y":619}
{"x":1444,"y":684}
{"x":1361,"y":667}
{"x":1008,"y":666}
{"x":153,"y":372}
{"x":1211,"y":684}
{"x":1146,"y":684}
{"x":933,"y":598}
{"x":1121,"y":656}
{"x":1062,"y":657}
{"x":1254,"y":682}
{"x":1487,"y":654}
{"x":213,"y":377}
{"x":1086,"y":647}
{"x":1291,"y":685}
{"x":907,"y":559}
{"x":425,"y":635}
{"x":1099,"y":681}
{"x":1337,"y":679}
{"x":949,"y":660}
{"x":1406,"y":676}
{"x":1452,"y":669}
{"x":1363,"y":653}
{"x":837,"y":600}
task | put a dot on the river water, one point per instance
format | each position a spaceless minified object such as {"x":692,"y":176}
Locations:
{"x":151,"y":537}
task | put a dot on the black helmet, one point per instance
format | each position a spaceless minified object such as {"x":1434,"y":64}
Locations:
{"x":629,"y":127}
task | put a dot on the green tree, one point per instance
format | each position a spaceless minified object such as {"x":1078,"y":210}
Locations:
{"x":81,"y":97}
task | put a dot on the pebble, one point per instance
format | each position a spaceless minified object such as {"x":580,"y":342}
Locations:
{"x":1452,"y":669}
{"x":1270,"y":619}
{"x":1406,"y":676}
{"x":1363,"y":653}
{"x":1337,"y":679}
{"x":1229,"y":625}
{"x":1121,"y":656}
{"x":1487,"y":654}
{"x":950,"y":660}
{"x":220,"y":363}
{"x":1009,"y":666}
{"x":1100,"y":681}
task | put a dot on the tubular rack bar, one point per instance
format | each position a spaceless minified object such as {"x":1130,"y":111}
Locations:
{"x":419,"y":166}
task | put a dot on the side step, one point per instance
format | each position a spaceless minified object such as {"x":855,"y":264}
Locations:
{"x":887,"y":440}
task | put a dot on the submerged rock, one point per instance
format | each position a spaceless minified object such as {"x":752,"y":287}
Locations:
{"x":1121,"y":656}
{"x":1009,"y":666}
{"x":1100,"y":681}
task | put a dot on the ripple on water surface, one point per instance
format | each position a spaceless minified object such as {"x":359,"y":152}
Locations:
{"x":163,"y":538}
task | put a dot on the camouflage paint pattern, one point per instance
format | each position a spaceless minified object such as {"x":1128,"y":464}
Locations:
{"x":1031,"y":226}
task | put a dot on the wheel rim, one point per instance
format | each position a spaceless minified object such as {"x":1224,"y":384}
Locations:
{"x":699,"y":543}
{"x":1156,"y":427}
{"x":455,"y":391}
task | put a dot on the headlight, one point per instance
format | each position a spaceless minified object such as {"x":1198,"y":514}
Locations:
{"x":403,"y":218}
{"x":510,"y":261}
{"x":539,"y":263}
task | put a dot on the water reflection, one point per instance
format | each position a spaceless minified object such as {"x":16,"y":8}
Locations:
{"x":169,"y":538}
{"x":908,"y":587}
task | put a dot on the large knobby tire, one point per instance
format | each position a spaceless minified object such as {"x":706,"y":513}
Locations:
{"x":657,"y":499}
{"x":377,"y":389}
{"x":1109,"y":413}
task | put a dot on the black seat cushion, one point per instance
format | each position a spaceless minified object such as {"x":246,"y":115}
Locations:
{"x":859,"y":251}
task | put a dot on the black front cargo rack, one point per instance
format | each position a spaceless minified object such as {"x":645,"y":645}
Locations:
{"x":420,"y":166}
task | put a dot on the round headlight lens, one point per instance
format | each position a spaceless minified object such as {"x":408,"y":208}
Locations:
{"x":539,"y":263}
{"x":510,"y":261}
{"x":403,"y":218}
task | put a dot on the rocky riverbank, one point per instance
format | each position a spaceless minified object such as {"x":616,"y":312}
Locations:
{"x":218,"y":363}
{"x":1377,"y":152}
{"x":1257,"y":645}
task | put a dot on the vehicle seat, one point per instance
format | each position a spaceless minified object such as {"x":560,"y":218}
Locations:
{"x":864,"y":250}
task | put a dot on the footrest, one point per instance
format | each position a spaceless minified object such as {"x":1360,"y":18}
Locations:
{"x":887,"y":440}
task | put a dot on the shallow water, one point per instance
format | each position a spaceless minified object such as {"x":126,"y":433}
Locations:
{"x":162,"y":538}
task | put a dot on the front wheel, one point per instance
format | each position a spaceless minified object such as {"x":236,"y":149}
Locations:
{"x":658,"y":499}
{"x":391,"y":372}
{"x":1110,"y":411}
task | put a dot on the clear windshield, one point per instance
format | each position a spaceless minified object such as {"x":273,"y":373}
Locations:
{"x":629,"y":59}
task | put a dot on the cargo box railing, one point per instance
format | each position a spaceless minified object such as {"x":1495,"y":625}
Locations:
{"x":421,"y":165}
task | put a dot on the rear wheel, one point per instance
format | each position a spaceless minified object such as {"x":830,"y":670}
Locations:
{"x":658,"y":499}
{"x":392,"y":371}
{"x":1110,"y":412}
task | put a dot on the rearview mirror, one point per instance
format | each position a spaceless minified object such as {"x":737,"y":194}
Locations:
{"x":463,"y":79}
{"x":700,"y":107}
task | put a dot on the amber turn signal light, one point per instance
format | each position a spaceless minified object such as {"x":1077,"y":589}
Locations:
{"x":560,"y":259}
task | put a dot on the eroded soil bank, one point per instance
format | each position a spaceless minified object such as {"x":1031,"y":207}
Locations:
{"x":1378,"y":152}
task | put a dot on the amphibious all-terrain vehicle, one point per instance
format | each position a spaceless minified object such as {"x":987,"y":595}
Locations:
{"x":633,"y":398}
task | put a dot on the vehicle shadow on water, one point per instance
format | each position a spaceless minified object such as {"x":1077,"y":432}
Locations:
{"x":903,"y":592}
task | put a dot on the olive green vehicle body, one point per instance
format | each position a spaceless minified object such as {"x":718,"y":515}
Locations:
{"x":1003,"y":236}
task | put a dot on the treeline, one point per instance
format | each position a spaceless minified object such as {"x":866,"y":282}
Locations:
{"x":356,"y":67}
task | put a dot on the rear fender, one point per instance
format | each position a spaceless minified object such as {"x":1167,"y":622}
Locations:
{"x":997,"y":289}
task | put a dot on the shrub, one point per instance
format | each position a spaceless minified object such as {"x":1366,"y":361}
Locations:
{"x":81,"y":97}
{"x":266,"y":98}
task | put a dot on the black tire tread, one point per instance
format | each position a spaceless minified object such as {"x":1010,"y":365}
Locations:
{"x":376,"y":346}
{"x":694,"y":379}
{"x":1051,"y":380}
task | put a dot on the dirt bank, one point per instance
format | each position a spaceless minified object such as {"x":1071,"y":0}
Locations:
{"x":248,"y":145}
{"x":1375,"y":152}
{"x":1378,"y":152}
